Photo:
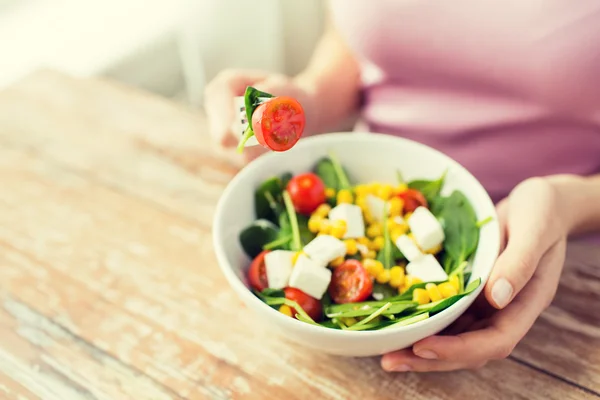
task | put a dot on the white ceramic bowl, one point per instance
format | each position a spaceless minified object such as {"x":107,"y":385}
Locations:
{"x":367,"y":157}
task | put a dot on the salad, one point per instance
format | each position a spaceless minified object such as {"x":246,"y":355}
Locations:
{"x":361,"y":256}
{"x":276,"y":122}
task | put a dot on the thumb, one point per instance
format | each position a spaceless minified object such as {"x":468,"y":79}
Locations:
{"x":530,"y":234}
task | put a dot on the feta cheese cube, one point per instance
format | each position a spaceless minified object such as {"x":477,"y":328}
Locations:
{"x":352,"y":215}
{"x":325,"y":248}
{"x":310,"y":277}
{"x":408,"y":248}
{"x":362,"y":249}
{"x":426,"y":229}
{"x":427,"y":269}
{"x":278,"y":264}
{"x":399,"y":220}
{"x":377,"y":207}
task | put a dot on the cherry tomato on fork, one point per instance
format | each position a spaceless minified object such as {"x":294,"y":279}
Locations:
{"x":350,"y":283}
{"x":312,"y":306}
{"x":257,"y":274}
{"x":307,"y":192}
{"x":412,"y":200}
{"x":278,"y":123}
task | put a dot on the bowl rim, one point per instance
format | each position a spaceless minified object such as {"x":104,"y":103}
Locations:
{"x":247,"y":294}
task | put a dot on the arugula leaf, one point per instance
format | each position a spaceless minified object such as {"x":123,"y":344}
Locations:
{"x":429,"y":189}
{"x":291,"y":212}
{"x":368,"y":319}
{"x":342,"y":175}
{"x":252,"y":99}
{"x":365,"y":309}
{"x":271,"y":293}
{"x":408,"y":320}
{"x":256,"y":235}
{"x":281,"y":243}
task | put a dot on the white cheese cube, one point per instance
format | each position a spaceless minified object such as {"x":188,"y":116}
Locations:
{"x":377,"y":207}
{"x":362,"y":249}
{"x":427,"y":269}
{"x":278,"y":264}
{"x":352,"y":215}
{"x":408,"y":248}
{"x":325,"y":248}
{"x":310,"y":277}
{"x":426,"y":229}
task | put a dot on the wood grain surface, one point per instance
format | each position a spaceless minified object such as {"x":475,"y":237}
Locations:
{"x":109,"y":287}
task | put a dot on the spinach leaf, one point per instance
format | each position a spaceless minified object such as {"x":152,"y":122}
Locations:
{"x":271,"y":293}
{"x":266,"y":197}
{"x":252,"y":99}
{"x":332,"y":174}
{"x":460,"y":228}
{"x":387,"y":255}
{"x":433,"y":308}
{"x":256,"y":235}
{"x":381,"y":291}
{"x":285,"y":179}
{"x":430,"y":189}
{"x":305,"y":234}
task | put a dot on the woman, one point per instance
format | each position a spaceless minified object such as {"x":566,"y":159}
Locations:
{"x":510,"y":90}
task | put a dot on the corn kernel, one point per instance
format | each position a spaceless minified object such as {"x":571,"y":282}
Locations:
{"x":447,"y":290}
{"x":295,"y":257}
{"x":314,"y":223}
{"x":330,"y":193}
{"x":351,"y":247}
{"x":420,"y":296}
{"x":383,"y":276}
{"x":385,"y":191}
{"x":325,"y":227}
{"x":396,"y":205}
{"x":373,"y":188}
{"x":322,"y":211}
{"x":435,"y":250}
{"x":337,"y":262}
{"x":433,"y":292}
{"x":344,"y":196}
{"x":378,"y":243}
{"x":286,"y":310}
{"x":411,"y":280}
{"x":371,"y":254}
{"x":454,"y":282}
{"x":348,"y":321}
{"x":407,"y":216}
{"x":338,"y":230}
{"x":372,"y":266}
{"x":401,"y":188}
{"x":397,"y":272}
{"x":364,"y":241}
{"x":374,"y":230}
{"x":361,"y":201}
{"x":397,"y":231}
{"x":361,"y":190}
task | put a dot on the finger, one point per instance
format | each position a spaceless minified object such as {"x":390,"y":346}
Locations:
{"x":530,"y":234}
{"x":502,"y":211}
{"x":507,"y":326}
{"x":405,"y":361}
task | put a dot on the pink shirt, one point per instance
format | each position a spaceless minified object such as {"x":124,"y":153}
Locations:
{"x":510,"y":89}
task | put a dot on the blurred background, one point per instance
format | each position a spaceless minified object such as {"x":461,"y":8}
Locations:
{"x":170,"y":47}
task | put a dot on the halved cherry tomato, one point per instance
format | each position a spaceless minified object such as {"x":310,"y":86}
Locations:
{"x":412,"y":200}
{"x":278,"y":123}
{"x":257,"y":274}
{"x":312,"y":306}
{"x":350,"y":283}
{"x":307,"y":192}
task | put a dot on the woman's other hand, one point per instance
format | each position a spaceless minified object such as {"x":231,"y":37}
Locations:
{"x":522,"y":285}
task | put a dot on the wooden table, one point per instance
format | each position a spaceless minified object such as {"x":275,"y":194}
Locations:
{"x":109,"y":287}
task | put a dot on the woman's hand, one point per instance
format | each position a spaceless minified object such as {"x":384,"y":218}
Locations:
{"x":220,"y":106}
{"x":521,"y":286}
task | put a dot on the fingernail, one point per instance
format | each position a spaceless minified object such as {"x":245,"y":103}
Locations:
{"x":427,"y":354}
{"x":502,"y":292}
{"x":390,"y":366}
